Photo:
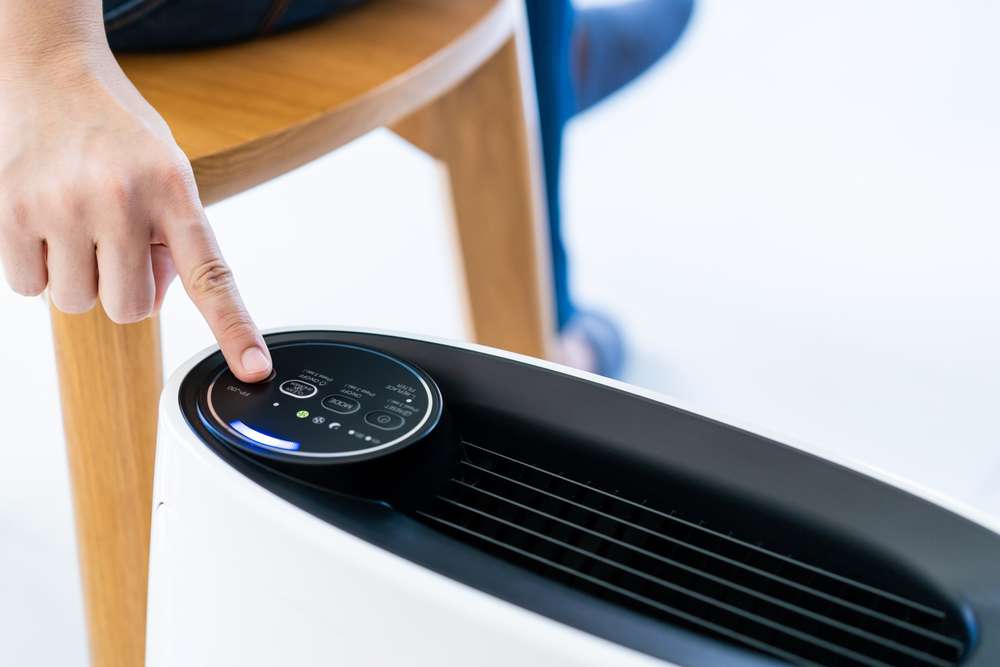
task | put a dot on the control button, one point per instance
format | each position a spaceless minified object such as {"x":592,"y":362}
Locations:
{"x":298,"y":389}
{"x":270,"y":378}
{"x":341,"y":404}
{"x":384,"y":420}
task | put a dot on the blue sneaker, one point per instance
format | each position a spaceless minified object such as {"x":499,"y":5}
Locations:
{"x":593,"y":342}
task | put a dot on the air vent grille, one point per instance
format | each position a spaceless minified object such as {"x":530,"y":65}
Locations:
{"x":679,"y":571}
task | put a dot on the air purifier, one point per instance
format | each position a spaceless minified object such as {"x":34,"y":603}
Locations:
{"x":386,"y":499}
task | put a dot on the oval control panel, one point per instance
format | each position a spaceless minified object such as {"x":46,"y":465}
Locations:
{"x":326,"y":403}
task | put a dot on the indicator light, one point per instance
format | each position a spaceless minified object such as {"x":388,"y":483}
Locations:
{"x":263,"y":438}
{"x":302,"y":414}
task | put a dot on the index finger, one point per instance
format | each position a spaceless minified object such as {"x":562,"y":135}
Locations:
{"x":209,"y":283}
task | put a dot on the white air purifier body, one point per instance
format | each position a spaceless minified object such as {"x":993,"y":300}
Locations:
{"x":254,"y":574}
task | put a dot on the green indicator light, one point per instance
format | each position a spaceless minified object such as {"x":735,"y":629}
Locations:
{"x":302,"y":414}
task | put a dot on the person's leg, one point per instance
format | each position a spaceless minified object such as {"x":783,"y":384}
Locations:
{"x":613,"y":45}
{"x":550,"y":24}
{"x":586,"y":340}
{"x":580,"y":58}
{"x":146,"y":25}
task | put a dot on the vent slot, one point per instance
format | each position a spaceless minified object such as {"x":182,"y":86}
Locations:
{"x":677,"y":570}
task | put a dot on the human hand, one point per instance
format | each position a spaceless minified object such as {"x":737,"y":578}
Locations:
{"x":98,"y":201}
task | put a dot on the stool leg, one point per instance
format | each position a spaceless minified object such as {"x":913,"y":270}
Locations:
{"x":485,"y":133}
{"x":110,"y":379}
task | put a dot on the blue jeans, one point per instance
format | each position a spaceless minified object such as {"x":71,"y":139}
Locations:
{"x":137,"y":25}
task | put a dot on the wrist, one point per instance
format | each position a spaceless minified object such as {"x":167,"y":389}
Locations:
{"x":69,"y":65}
{"x":51,"y":40}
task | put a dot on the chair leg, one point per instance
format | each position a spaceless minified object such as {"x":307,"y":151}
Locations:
{"x":110,"y":378}
{"x":485,"y":133}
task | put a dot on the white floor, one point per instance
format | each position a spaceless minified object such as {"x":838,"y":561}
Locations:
{"x":796,"y":218}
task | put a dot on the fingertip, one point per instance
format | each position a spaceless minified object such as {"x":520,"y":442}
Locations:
{"x":255,"y":362}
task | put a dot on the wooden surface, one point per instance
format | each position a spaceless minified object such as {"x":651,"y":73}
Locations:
{"x":246,"y":113}
{"x":484,"y":133}
{"x":109,"y":380}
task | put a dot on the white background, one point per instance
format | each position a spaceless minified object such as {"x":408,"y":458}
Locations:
{"x":796,"y":217}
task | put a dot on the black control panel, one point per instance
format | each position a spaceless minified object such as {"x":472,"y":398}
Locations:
{"x":326,"y":403}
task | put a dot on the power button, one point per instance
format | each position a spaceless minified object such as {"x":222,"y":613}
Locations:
{"x":383,"y":420}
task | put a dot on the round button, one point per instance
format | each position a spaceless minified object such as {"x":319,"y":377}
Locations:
{"x":341,"y":404}
{"x":325,"y":423}
{"x":383,"y":420}
{"x":298,"y":389}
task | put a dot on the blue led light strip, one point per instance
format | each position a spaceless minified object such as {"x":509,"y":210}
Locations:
{"x":263,"y":439}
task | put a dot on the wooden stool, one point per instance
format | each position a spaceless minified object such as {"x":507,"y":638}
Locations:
{"x":452,"y":77}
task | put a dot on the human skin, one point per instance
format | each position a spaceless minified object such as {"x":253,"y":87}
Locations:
{"x":96,"y":199}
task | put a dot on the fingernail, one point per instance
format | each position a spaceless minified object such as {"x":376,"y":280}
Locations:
{"x":254,"y":360}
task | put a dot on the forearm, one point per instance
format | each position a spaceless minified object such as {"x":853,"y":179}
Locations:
{"x":42,"y":31}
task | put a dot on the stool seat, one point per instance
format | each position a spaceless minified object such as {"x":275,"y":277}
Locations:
{"x":248,"y":112}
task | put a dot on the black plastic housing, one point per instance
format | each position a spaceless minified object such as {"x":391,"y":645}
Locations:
{"x":408,"y":465}
{"x":403,"y":478}
{"x":618,"y":447}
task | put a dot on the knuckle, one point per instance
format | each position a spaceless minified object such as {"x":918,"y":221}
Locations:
{"x":118,"y":193}
{"x":105,"y":194}
{"x":64,"y":227}
{"x":212,"y":277}
{"x":66,"y":196}
{"x":173,"y":178}
{"x":118,"y":228}
{"x":235,"y":324}
{"x":20,"y":213}
{"x":64,"y":210}
{"x":112,"y":187}
{"x":17,"y":215}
